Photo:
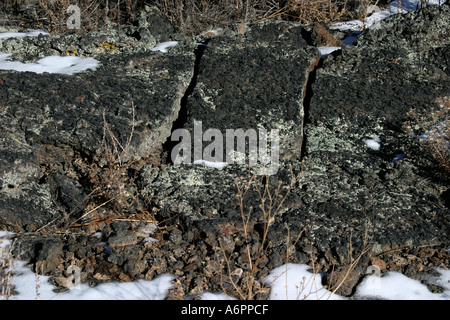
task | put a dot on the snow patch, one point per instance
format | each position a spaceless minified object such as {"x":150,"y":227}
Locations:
{"x":296,"y":282}
{"x":373,"y":143}
{"x":396,"y":286}
{"x":215,"y":296}
{"x":31,"y":287}
{"x":52,"y":64}
{"x":30,"y":33}
{"x":163,"y":46}
{"x":211,"y":164}
{"x":4,"y":241}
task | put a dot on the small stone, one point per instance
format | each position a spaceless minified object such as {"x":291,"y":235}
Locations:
{"x":378,"y":262}
{"x":122,"y":239}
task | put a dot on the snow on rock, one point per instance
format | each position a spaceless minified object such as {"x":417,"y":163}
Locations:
{"x":296,"y":282}
{"x":30,"y":33}
{"x":4,"y":241}
{"x":373,"y":143}
{"x":163,"y":46}
{"x":396,"y":286}
{"x":52,"y":64}
{"x":372,"y":20}
{"x":324,"y":51}
{"x":211,"y":164}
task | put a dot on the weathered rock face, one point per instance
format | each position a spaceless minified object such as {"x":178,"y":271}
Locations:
{"x":400,"y":65}
{"x":49,"y":119}
{"x":328,"y":196}
{"x":256,"y":80}
{"x":365,"y":92}
{"x":252,"y":81}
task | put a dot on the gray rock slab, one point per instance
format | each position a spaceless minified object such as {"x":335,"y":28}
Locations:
{"x":48,"y":119}
{"x":400,"y":65}
{"x":255,"y":81}
{"x":250,"y":81}
{"x":365,"y":92}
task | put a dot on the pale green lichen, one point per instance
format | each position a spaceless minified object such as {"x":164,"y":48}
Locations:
{"x":322,"y":139}
{"x":193,"y":178}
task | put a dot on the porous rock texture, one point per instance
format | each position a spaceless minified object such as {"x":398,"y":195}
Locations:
{"x":338,"y":201}
{"x":48,"y":120}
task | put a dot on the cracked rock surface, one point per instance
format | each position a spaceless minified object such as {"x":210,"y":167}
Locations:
{"x":49,"y":120}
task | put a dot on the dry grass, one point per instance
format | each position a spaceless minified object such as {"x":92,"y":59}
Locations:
{"x":432,"y":129}
{"x":112,"y":182}
{"x":93,"y":13}
{"x":110,"y":178}
{"x":309,"y":11}
{"x":336,"y":281}
{"x":201,"y":15}
{"x":6,"y":260}
{"x":52,"y":15}
{"x":109,"y":175}
{"x":190,"y":17}
{"x":238,"y":273}
{"x":242,"y":281}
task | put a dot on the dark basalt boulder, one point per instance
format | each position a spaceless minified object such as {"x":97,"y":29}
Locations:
{"x":252,"y":81}
{"x":396,"y":66}
{"x":49,"y":120}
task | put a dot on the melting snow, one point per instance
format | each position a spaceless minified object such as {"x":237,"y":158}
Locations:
{"x":378,"y":15}
{"x":163,"y":46}
{"x":51,"y":64}
{"x":30,"y":33}
{"x":373,"y":143}
{"x":206,"y":163}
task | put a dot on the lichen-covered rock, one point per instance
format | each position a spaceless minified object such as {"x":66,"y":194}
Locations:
{"x":50,"y":120}
{"x":253,"y":81}
{"x":365,"y":92}
{"x":256,"y":80}
{"x":401,"y":65}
